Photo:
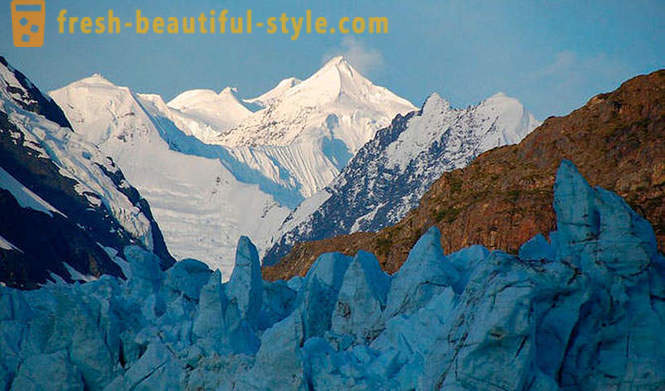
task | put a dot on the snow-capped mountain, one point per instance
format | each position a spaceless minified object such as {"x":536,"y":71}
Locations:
{"x":336,"y":101}
{"x":303,"y":133}
{"x":66,"y":208}
{"x":206,"y":114}
{"x":390,"y":174}
{"x":312,"y":128}
{"x":205,"y":195}
{"x":193,"y":188}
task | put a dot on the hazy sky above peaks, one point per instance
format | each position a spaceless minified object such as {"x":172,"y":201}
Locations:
{"x":551,"y":55}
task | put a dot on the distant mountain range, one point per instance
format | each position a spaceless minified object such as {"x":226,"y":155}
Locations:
{"x":214,"y":170}
{"x":215,"y":166}
{"x":310,"y":159}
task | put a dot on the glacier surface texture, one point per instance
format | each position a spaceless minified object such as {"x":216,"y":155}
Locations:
{"x":582,"y":310}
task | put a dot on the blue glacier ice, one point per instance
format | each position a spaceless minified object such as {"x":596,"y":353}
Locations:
{"x":582,"y":308}
{"x":361,"y":299}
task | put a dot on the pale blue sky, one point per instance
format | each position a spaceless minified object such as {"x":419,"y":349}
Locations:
{"x":552,"y":55}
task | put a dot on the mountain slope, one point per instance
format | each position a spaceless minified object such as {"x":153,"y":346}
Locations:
{"x":66,"y":208}
{"x":193,"y":188}
{"x":504,"y":197}
{"x":391,"y":173}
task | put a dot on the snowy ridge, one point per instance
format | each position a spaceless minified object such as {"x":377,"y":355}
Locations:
{"x":268,"y":98}
{"x":336,"y":101}
{"x":390,"y":174}
{"x":304,"y":133}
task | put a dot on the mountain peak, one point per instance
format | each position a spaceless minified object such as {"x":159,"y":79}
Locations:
{"x":337,"y":61}
{"x":96,"y":78}
{"x":340,"y":64}
{"x":338,"y":80}
{"x":435,"y":102}
{"x":228,"y":90}
{"x":186,"y":98}
{"x":207,"y":113}
{"x":502,"y":98}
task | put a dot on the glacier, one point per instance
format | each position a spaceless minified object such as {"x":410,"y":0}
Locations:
{"x":582,"y":310}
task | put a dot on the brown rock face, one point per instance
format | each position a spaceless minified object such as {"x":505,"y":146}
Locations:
{"x":503,"y":198}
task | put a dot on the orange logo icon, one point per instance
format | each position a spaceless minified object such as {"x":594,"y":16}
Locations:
{"x":28,"y":23}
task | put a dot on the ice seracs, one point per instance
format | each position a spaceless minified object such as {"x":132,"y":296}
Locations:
{"x":471,"y":320}
{"x":425,"y":274}
{"x":361,"y":300}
